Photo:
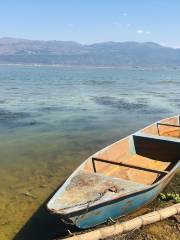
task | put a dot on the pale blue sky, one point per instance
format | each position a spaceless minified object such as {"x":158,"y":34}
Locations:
{"x":89,"y":21}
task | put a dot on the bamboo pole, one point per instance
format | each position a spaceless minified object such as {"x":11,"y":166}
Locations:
{"x":130,"y":225}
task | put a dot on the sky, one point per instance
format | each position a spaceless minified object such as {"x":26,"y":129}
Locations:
{"x":91,"y":21}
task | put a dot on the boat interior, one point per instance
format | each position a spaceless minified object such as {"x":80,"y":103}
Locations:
{"x":127,"y":166}
{"x":169,"y":127}
{"x":139,"y":158}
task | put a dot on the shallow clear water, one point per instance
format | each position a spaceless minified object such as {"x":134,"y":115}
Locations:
{"x":52,"y":118}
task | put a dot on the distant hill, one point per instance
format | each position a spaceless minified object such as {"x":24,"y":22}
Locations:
{"x":22,"y":51}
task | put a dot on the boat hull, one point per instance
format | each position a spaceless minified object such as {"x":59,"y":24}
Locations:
{"x":118,"y":208}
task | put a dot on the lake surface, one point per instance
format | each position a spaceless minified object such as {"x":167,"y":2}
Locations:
{"x":52,"y":118}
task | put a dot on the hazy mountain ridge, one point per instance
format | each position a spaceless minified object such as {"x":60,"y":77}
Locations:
{"x":22,"y":51}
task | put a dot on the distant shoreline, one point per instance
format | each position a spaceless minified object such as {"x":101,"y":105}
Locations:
{"x":89,"y":66}
{"x":128,"y":55}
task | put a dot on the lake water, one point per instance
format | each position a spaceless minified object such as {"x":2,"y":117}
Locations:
{"x":52,"y":118}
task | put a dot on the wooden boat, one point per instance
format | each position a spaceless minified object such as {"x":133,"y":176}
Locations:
{"x":121,"y":177}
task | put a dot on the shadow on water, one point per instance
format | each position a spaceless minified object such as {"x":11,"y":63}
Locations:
{"x":43,"y":225}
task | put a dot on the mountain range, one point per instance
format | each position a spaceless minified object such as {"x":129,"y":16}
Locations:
{"x":120,"y":54}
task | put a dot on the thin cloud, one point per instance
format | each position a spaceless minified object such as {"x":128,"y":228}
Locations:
{"x":140,"y":31}
{"x":129,"y":25}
